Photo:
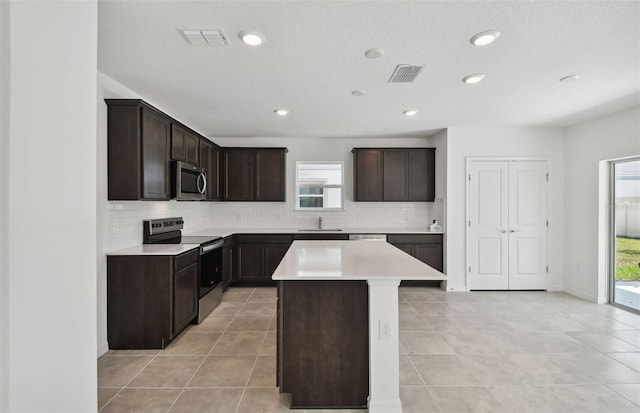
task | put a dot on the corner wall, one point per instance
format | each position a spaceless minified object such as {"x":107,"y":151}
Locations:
{"x":586,"y":145}
{"x":464,"y":142}
{"x":5,"y":25}
{"x":48,"y":206}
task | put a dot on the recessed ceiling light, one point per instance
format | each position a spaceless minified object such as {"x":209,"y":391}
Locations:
{"x":281,"y":112}
{"x":485,"y":38}
{"x":569,"y":78}
{"x":358,"y":92}
{"x":374,"y":53}
{"x":471,"y":79}
{"x":252,"y":38}
{"x":410,"y":112}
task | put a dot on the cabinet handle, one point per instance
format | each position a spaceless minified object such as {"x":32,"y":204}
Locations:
{"x":514,"y":230}
{"x":204,"y":186}
{"x":502,"y":230}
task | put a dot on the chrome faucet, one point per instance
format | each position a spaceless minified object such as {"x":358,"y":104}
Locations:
{"x":319,"y":222}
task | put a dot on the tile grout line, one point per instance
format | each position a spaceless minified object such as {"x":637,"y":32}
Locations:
{"x":127,"y":383}
{"x":209,"y":353}
{"x":244,"y":390}
{"x":416,"y":369}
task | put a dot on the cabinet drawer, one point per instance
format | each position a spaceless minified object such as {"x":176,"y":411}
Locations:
{"x":414,"y":239}
{"x":184,"y":260}
{"x":263,"y":239}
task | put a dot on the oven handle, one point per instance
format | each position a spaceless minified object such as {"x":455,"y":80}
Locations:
{"x":211,"y":247}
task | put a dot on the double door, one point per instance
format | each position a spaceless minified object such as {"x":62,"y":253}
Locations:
{"x":507,"y":225}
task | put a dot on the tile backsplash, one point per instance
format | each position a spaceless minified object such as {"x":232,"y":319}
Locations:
{"x":125,"y":218}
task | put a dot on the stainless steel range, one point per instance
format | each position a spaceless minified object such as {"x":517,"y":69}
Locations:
{"x":169,"y":231}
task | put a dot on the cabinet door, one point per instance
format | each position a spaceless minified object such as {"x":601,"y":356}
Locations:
{"x":184,"y":145}
{"x":368,"y":175}
{"x":250,"y":262}
{"x":395,"y":175}
{"x":430,"y":254}
{"x":155,"y":155}
{"x":421,"y":175}
{"x":239,"y":175}
{"x":273,"y":254}
{"x":270,"y":176}
{"x":185,"y":297}
{"x":210,"y":161}
{"x":408,"y":248}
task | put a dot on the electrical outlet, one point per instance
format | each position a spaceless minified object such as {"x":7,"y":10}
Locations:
{"x":385,"y":329}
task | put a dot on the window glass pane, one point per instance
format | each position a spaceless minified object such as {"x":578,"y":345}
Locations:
{"x":319,"y":185}
{"x":314,"y":202}
{"x":311,"y":191}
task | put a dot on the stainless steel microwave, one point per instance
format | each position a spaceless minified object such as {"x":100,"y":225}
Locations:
{"x":189,"y":182}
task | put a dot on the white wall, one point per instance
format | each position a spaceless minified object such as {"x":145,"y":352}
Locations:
{"x":438,"y":208}
{"x":49,"y":203}
{"x":4,"y":208}
{"x":464,"y":142}
{"x":586,"y":145}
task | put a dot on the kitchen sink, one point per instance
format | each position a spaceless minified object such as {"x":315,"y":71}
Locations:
{"x":321,"y":230}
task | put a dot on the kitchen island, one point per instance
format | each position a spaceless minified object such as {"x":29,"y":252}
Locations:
{"x":338,"y":343}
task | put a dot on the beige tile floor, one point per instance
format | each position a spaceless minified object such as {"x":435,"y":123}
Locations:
{"x":460,"y":352}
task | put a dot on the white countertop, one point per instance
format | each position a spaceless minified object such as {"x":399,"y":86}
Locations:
{"x":351,"y":260}
{"x":175,"y":249}
{"x":155,"y":249}
{"x":225,"y":232}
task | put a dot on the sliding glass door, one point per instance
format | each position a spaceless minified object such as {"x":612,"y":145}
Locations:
{"x":625,"y":236}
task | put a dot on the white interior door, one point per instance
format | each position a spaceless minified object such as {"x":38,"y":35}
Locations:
{"x":527,"y":225}
{"x":507,"y":225}
{"x":488,"y":226}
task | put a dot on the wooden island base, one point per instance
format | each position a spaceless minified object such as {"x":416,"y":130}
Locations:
{"x":323,"y":343}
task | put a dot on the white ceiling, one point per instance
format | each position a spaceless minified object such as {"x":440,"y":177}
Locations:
{"x":313,"y":58}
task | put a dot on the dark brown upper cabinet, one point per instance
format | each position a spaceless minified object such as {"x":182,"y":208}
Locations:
{"x":254,"y":174}
{"x":394,"y":174}
{"x":367,"y":174}
{"x":139,"y":139}
{"x":210,"y":161}
{"x":185,"y":145}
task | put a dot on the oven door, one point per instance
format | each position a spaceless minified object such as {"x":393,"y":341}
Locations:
{"x":189,"y":183}
{"x":210,"y":266}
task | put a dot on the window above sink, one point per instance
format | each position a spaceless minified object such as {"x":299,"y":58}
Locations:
{"x":319,"y":186}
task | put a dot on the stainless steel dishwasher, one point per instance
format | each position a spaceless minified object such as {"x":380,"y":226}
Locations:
{"x":367,"y":237}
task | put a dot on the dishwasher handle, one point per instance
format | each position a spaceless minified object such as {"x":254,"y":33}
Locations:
{"x":367,"y":237}
{"x":210,"y":247}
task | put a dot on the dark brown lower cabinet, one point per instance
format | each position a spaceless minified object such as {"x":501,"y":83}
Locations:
{"x":258,"y":257}
{"x":150,"y":299}
{"x":323,"y":343}
{"x":425,"y":247}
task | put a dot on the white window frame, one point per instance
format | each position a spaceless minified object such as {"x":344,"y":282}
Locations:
{"x":323,"y":185}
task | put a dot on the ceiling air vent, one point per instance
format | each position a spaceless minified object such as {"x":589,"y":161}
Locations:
{"x":405,"y":73}
{"x":204,"y":37}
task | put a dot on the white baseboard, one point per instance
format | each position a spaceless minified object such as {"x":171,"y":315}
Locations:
{"x":583,"y":295}
{"x":558,"y":287}
{"x":456,"y":288}
{"x":102,"y":349}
